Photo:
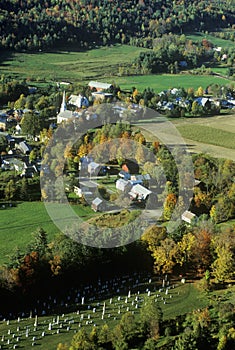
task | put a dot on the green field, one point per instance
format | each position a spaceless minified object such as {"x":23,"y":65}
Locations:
{"x":214,"y":40}
{"x":18,"y":223}
{"x":71,"y":65}
{"x":167,"y":81}
{"x":101,"y":64}
{"x":213,"y":135}
{"x":209,"y":135}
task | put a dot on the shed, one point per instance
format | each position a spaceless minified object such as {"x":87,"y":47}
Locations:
{"x":97,"y":204}
{"x":188,"y":216}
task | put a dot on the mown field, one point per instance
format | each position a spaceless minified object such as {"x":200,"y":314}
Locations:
{"x":212,"y":135}
{"x":209,"y":135}
{"x":18,"y":223}
{"x":166,"y":81}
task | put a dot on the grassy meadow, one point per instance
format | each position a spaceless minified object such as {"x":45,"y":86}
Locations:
{"x":70,"y":65}
{"x":214,"y":40}
{"x":18,"y":223}
{"x":95,"y":64}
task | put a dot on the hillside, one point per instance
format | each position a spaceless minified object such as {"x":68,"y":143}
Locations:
{"x":39,"y":25}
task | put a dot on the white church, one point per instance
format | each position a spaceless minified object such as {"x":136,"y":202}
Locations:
{"x":74,"y":100}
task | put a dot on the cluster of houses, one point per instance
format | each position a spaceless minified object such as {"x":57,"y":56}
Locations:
{"x":17,"y":157}
{"x":172,"y":98}
{"x":134,"y":186}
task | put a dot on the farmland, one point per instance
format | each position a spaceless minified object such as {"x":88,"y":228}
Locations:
{"x":214,"y":40}
{"x":70,"y":64}
{"x":212,"y":135}
{"x":18,"y":223}
{"x":167,"y":81}
{"x":101,"y":64}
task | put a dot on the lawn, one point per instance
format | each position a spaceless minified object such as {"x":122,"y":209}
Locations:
{"x":18,"y":223}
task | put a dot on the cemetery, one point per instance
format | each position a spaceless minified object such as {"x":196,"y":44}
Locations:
{"x":57,"y":319}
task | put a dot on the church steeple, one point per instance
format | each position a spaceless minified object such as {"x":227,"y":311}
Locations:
{"x":63,"y":106}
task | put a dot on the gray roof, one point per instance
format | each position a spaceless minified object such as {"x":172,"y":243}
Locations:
{"x":140,"y":191}
{"x":99,"y":85}
{"x":97,"y":201}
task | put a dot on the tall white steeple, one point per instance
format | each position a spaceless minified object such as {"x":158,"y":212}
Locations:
{"x":63,"y":104}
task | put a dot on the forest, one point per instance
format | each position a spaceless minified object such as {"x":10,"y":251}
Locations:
{"x":40,"y":25}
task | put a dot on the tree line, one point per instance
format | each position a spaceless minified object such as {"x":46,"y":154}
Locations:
{"x":41,"y":25}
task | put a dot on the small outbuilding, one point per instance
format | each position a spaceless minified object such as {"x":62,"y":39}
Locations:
{"x":188,"y":216}
{"x":97,"y":204}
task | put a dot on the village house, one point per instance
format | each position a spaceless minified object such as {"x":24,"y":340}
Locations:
{"x":139,"y":193}
{"x":123,"y":185}
{"x":78,"y":101}
{"x":24,"y":147}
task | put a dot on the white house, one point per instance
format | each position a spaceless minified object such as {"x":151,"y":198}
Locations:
{"x":122,"y":185}
{"x":139,"y":192}
{"x":78,"y":100}
{"x":97,"y":204}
